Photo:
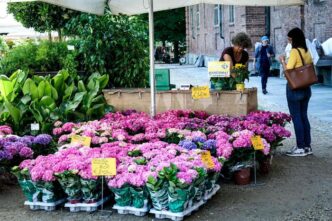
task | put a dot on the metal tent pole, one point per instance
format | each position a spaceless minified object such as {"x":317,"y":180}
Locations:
{"x":152,"y":71}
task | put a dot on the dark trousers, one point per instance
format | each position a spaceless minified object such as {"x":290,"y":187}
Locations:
{"x":298,"y":107}
{"x":264,"y":71}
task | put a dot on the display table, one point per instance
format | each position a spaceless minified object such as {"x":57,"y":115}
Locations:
{"x":231,"y":103}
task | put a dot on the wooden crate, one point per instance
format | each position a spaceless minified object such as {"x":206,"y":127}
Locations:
{"x":231,"y":103}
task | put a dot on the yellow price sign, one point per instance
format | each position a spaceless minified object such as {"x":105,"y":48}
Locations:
{"x":85,"y":141}
{"x":207,"y":159}
{"x":103,"y":166}
{"x":200,"y":92}
{"x":257,"y":142}
{"x":219,"y":69}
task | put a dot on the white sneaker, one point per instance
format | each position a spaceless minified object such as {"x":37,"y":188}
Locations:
{"x":298,"y":152}
{"x":291,"y":150}
{"x":308,"y":150}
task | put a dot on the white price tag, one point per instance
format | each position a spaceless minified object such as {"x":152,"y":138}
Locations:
{"x":35,"y":126}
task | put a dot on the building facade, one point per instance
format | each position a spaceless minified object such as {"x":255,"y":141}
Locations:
{"x":210,"y":28}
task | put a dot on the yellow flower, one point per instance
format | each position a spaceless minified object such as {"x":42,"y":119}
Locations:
{"x":239,"y":66}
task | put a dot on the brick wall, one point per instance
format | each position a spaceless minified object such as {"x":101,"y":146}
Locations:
{"x":255,"y":23}
{"x":206,"y":40}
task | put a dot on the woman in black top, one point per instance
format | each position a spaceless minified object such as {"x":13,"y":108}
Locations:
{"x":236,"y":54}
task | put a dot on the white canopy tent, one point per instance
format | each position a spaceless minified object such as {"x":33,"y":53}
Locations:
{"x":134,"y":7}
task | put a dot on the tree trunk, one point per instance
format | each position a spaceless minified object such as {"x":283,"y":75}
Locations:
{"x":49,"y":36}
{"x":176,"y":51}
{"x":164,"y":43}
{"x":60,"y":35}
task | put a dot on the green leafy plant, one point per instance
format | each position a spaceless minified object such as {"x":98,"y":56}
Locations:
{"x":44,"y":100}
{"x":116,"y":45}
{"x":43,"y":56}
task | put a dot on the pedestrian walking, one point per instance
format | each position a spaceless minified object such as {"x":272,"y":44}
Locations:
{"x":298,"y":100}
{"x":262,"y":61}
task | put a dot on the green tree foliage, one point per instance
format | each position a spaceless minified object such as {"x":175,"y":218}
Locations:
{"x":40,"y":16}
{"x":113,"y":45}
{"x":170,"y":26}
{"x":42,"y":56}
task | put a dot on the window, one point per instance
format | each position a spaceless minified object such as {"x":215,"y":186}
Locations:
{"x":198,"y":19}
{"x":192,"y":21}
{"x":231,"y":13}
{"x":216,"y":15}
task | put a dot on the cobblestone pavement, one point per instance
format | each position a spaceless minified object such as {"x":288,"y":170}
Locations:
{"x":296,"y":189}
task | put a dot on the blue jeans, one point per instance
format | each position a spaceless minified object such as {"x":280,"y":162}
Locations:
{"x":298,"y":107}
{"x":264,"y":71}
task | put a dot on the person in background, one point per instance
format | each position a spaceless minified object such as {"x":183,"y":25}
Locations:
{"x":237,"y":54}
{"x":262,"y":61}
{"x":298,"y":100}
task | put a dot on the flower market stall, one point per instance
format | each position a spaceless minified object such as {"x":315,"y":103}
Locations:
{"x":168,"y":166}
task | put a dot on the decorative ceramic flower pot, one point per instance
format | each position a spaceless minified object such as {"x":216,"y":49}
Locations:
{"x":240,"y":87}
{"x":242,"y":177}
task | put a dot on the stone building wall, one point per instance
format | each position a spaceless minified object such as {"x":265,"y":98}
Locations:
{"x":206,"y":39}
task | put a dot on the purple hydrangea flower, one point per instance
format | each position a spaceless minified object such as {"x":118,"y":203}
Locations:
{"x":209,"y":144}
{"x":199,"y":140}
{"x":42,"y":139}
{"x":187,"y":144}
{"x":28,"y":140}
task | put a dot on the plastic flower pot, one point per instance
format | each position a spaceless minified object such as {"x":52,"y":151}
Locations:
{"x":240,"y":87}
{"x":242,"y":176}
{"x":122,"y":196}
{"x":29,"y":190}
{"x":91,"y":190}
{"x":159,"y":197}
{"x":139,"y":196}
{"x":178,"y":198}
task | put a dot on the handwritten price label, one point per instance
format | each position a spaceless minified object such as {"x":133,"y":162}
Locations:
{"x":207,"y":159}
{"x":200,"y":92}
{"x":85,"y":141}
{"x":103,"y":166}
{"x":219,"y":69}
{"x":257,"y":142}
